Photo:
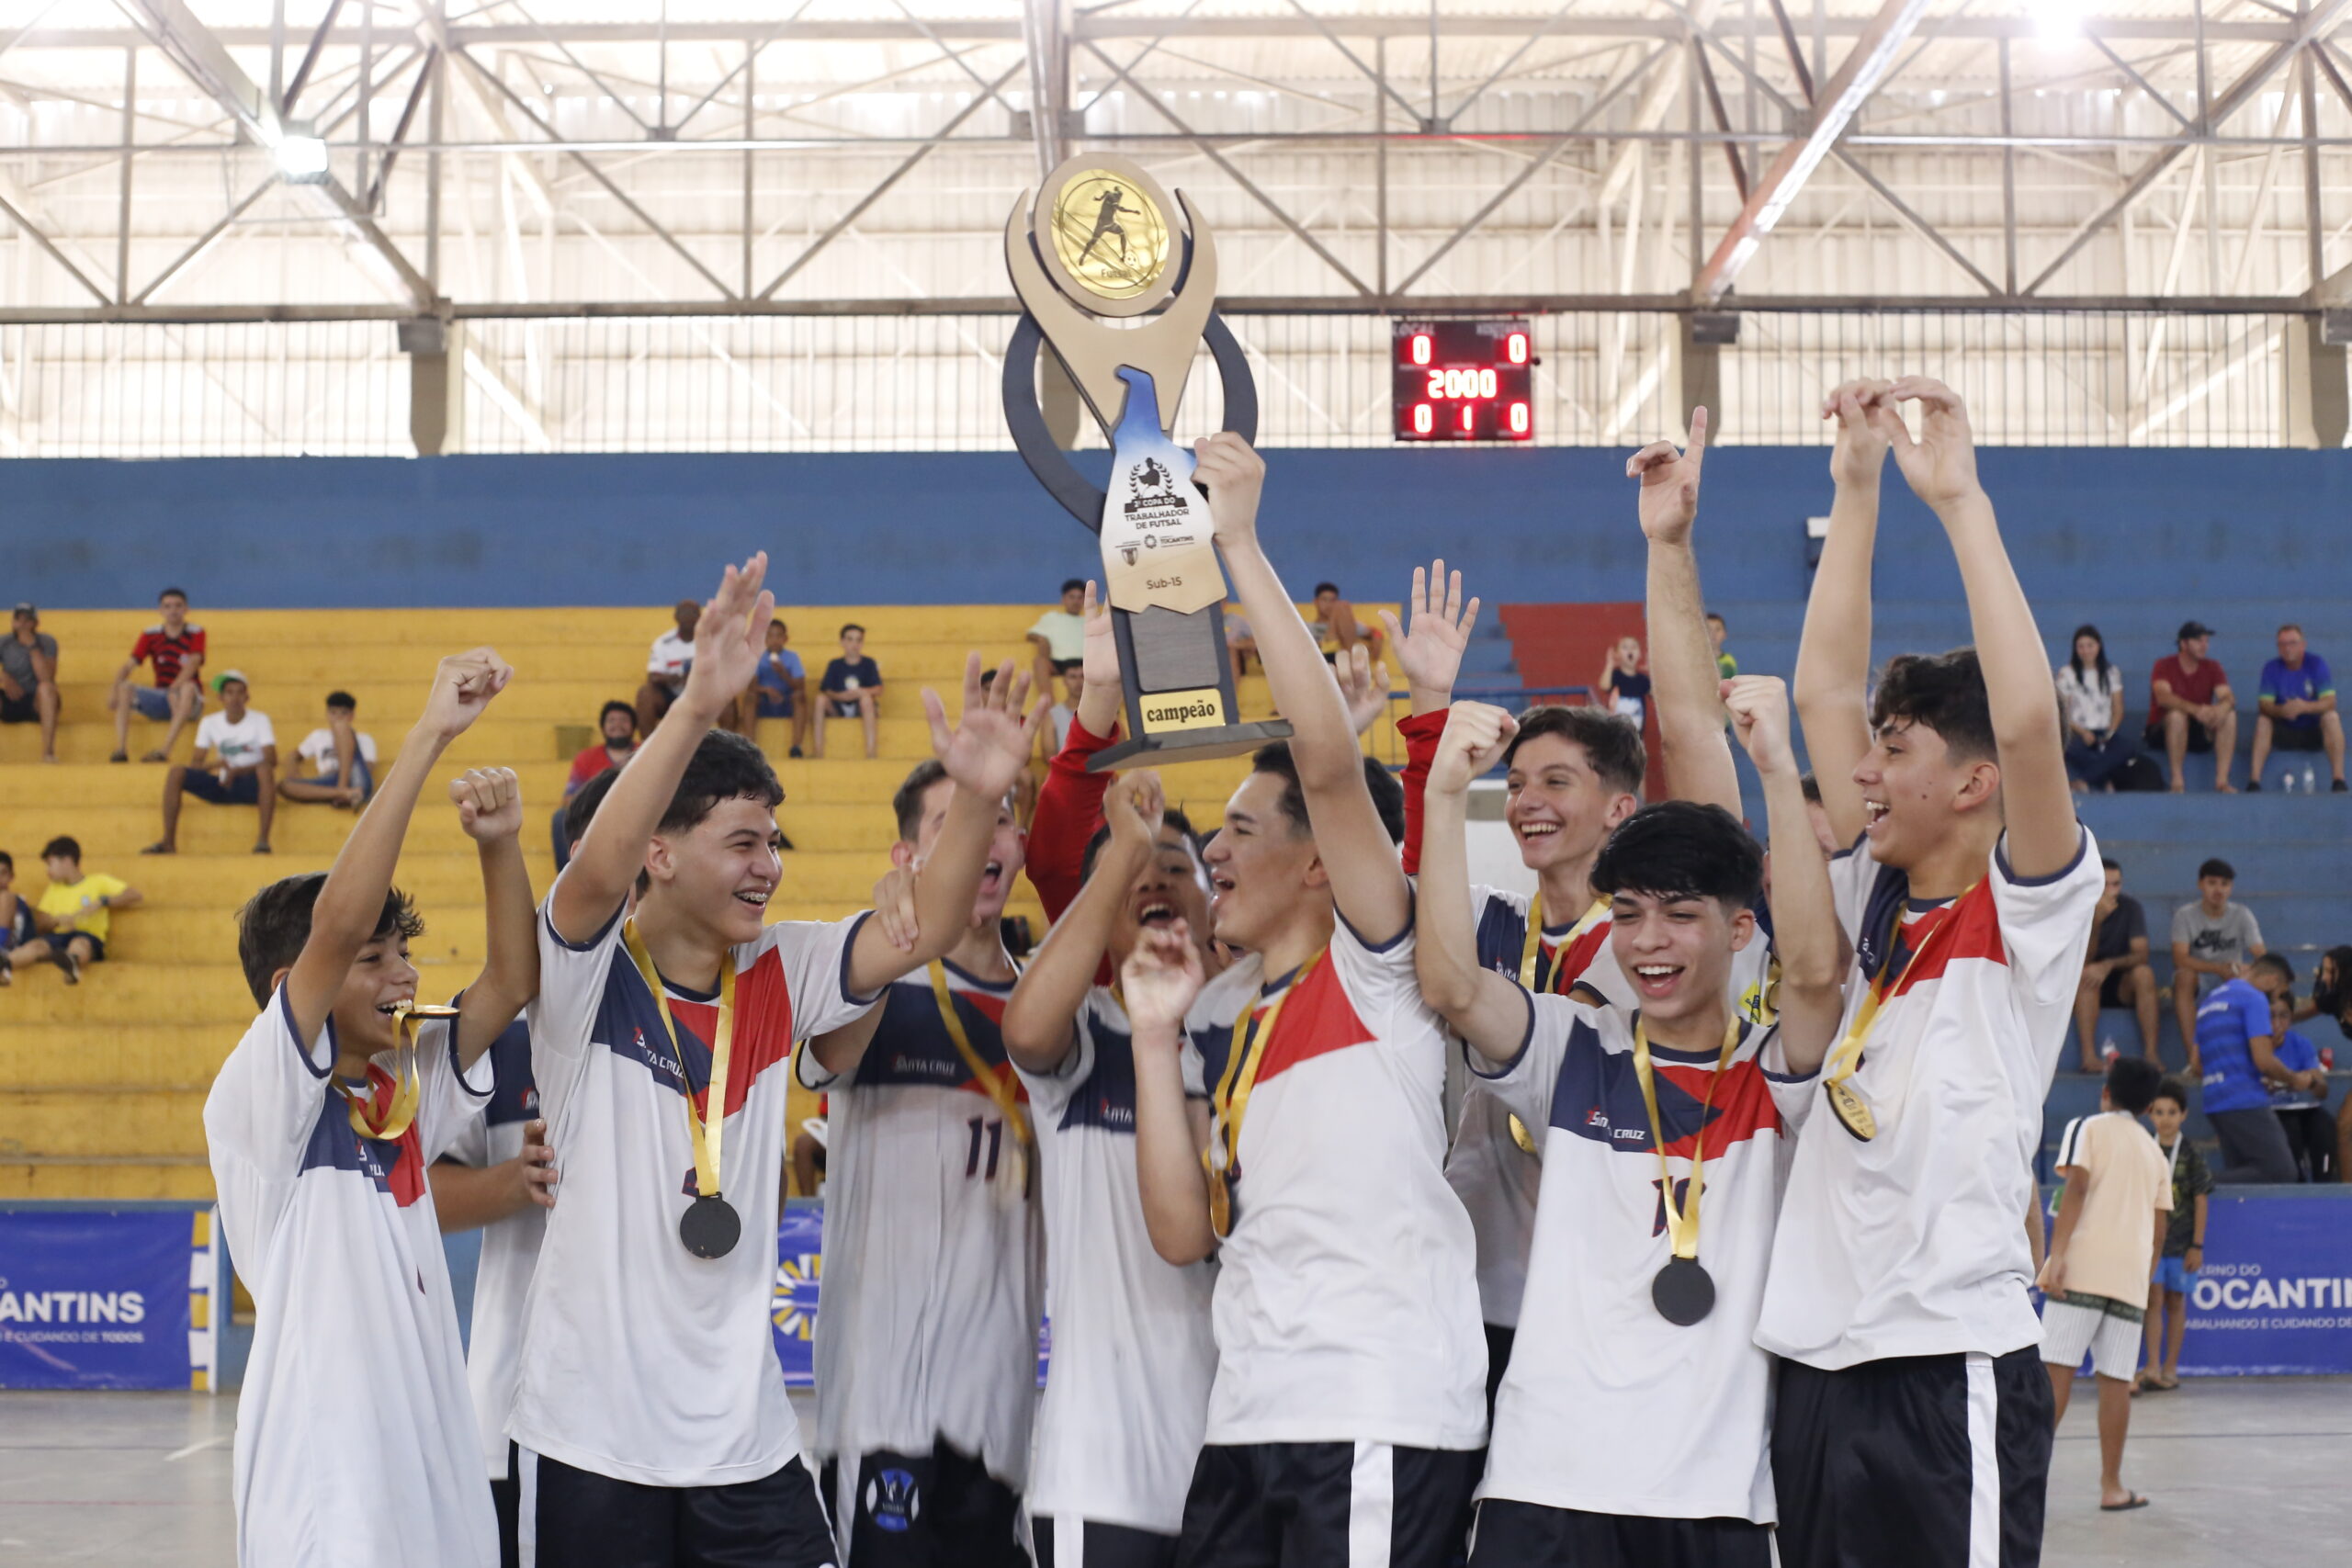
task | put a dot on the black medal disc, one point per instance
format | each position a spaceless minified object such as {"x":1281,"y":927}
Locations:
{"x":710,"y":1228}
{"x":1684,"y":1292}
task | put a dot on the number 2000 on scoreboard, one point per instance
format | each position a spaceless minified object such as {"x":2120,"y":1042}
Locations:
{"x":1464,"y":381}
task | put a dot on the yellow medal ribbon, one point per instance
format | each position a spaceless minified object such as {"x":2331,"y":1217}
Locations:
{"x":1006,"y":1098}
{"x":1852,"y":1113}
{"x":1231,"y":1101}
{"x":407,"y":1085}
{"x":1532,"y":948}
{"x":1681,"y":1219}
{"x":706,"y":1130}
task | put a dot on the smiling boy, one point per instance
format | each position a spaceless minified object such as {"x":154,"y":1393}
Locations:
{"x":354,"y":1432}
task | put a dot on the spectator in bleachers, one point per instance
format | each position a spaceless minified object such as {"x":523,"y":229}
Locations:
{"x":616,"y":744}
{"x":2090,"y":699}
{"x":780,"y":689}
{"x":2115,"y":971}
{"x":75,"y":912}
{"x":2331,"y":997}
{"x":2297,"y":698}
{"x":852,"y":688}
{"x":2211,"y":940}
{"x":1623,"y":689}
{"x":1058,"y":639}
{"x":2240,"y":1062}
{"x":16,"y":923}
{"x":342,"y":758}
{"x":1725,"y":665}
{"x":666,"y":667}
{"x":29,"y":678}
{"x":173,"y":650}
{"x":1239,"y":640}
{"x":2184,"y":1249}
{"x":1336,"y":627}
{"x":2302,"y":1100}
{"x":2190,"y":707}
{"x":242,"y":769}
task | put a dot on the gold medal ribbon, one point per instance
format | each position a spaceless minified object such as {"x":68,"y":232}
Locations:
{"x":1006,"y":1098}
{"x":705,"y":1128}
{"x":1533,"y":949}
{"x":1230,"y":1103}
{"x":1681,"y":1219}
{"x":1848,"y":1058}
{"x":407,"y":1085}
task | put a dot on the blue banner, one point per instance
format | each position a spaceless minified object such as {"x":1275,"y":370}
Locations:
{"x":2276,"y":1292}
{"x":104,"y":1298}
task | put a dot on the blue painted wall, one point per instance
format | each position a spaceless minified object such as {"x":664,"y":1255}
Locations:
{"x":972,"y":528}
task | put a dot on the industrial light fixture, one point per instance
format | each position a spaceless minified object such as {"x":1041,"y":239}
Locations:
{"x":300,"y":155}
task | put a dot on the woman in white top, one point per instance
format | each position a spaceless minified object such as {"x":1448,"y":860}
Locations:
{"x":2090,"y":700}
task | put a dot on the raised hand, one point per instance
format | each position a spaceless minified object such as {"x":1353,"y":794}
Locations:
{"x":992,"y":743}
{"x":730,"y":639}
{"x":1669,"y":494}
{"x":1235,"y":476}
{"x":489,"y":803}
{"x":1861,"y":451}
{"x":894,"y":909}
{"x":1159,"y":982}
{"x":1430,"y":650}
{"x":463,"y":686}
{"x":1363,"y":687}
{"x":1100,"y":661}
{"x":1941,"y":466}
{"x":1133,"y":810}
{"x":1476,"y":734}
{"x":1760,"y":716}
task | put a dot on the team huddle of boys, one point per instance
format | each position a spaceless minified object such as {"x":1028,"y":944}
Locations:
{"x":1728,"y":1254}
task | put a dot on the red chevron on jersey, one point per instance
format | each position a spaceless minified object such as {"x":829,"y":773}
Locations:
{"x":404,"y":1163}
{"x":1569,"y":963}
{"x":762,"y":1027}
{"x":1316,"y":1020}
{"x":1976,"y":932}
{"x":1742,"y":1109}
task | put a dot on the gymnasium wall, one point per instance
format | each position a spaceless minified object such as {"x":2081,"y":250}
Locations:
{"x":1540,"y":524}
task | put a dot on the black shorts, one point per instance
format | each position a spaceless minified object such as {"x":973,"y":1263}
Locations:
{"x":1499,"y":1343}
{"x":243,"y":790}
{"x":1327,"y":1505}
{"x":1063,"y":1542}
{"x":58,"y":942}
{"x":2111,"y":993}
{"x":1527,"y":1535}
{"x":2199,"y":738}
{"x":2286,"y":735}
{"x":506,"y":1496}
{"x":914,"y":1510}
{"x":576,"y":1518}
{"x":18,"y":710}
{"x":1924,"y":1462}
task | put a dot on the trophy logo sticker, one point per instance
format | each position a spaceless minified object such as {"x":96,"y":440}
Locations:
{"x":1109,"y":235}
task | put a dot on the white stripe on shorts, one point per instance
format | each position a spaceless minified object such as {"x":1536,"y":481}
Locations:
{"x":526,"y":1506}
{"x":2069,"y":1331}
{"x":1984,"y":1464}
{"x":1372,"y":1506}
{"x":1069,"y":1541}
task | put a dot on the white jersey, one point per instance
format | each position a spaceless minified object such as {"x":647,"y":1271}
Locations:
{"x":510,"y":1247}
{"x":641,"y":1361}
{"x":354,"y":1445}
{"x":1347,"y":1304}
{"x":1607,"y":1407}
{"x":1914,"y":1244}
{"x":1128,"y":1392}
{"x":935,"y":1245}
{"x":1496,"y":1178}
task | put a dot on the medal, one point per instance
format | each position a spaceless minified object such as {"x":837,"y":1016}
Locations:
{"x":1002,"y":1094}
{"x":1845,"y":1103}
{"x":709,"y":1227}
{"x":1683,"y":1292}
{"x":1251,"y":1036}
{"x":407,"y":1083}
{"x":1520,"y":1136}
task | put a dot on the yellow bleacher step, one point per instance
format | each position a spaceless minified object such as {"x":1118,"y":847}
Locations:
{"x":156,"y":1055}
{"x":118,"y":1178}
{"x":149,"y":1123}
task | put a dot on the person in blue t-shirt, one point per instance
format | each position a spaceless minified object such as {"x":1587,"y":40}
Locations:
{"x":2298,"y":702}
{"x":780,"y":689}
{"x":2235,"y":1044}
{"x":2302,"y":1103}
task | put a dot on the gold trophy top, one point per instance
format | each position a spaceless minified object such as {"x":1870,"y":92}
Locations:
{"x":1104,"y":234}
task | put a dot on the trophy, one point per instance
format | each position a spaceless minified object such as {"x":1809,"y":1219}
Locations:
{"x":1099,"y":247}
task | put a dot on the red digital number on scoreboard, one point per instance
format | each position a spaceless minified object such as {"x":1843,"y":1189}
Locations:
{"x":1464,"y":381}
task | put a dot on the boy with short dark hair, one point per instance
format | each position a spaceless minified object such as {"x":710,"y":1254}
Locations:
{"x":344,"y":758}
{"x":242,"y":769}
{"x":850,"y":688}
{"x":175,"y":650}
{"x":2301,"y":1101}
{"x":780,"y":689}
{"x":74,"y":914}
{"x":2211,"y":940}
{"x":354,"y":1437}
{"x":2237,"y":1047}
{"x":2183,"y":1248}
{"x":2102,"y":1249}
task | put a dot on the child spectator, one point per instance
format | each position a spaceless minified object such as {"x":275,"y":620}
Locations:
{"x":2302,"y":1100}
{"x":342,"y":757}
{"x":2102,"y":1251}
{"x":1060,"y":635}
{"x":29,"y":678}
{"x":75,"y":913}
{"x":2211,"y":940}
{"x":243,"y":769}
{"x":357,"y":1439}
{"x":779,"y":691}
{"x":2184,"y":1252}
{"x":852,"y":688}
{"x":16,"y":917}
{"x":175,"y":650}
{"x":666,"y":667}
{"x":1623,"y":689}
{"x":1336,"y":628}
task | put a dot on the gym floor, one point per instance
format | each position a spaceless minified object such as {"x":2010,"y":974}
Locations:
{"x":2241,"y":1470}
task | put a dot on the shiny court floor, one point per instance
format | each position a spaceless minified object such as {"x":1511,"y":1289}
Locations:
{"x":2242,"y":1473}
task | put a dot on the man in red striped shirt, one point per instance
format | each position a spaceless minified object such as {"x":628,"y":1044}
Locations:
{"x":175,"y":650}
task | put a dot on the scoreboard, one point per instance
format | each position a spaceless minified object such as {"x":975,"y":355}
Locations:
{"x":1463,"y":380}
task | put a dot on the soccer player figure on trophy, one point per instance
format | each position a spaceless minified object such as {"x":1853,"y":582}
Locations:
{"x":1166,"y":588}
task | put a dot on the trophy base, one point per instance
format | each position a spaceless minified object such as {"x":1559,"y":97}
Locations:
{"x":1190,"y":746}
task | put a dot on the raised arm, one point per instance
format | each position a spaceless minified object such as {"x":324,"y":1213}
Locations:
{"x":1162,"y":978}
{"x":1429,"y":650}
{"x":1486,"y":1009}
{"x":1367,"y":884}
{"x":1683,"y":673}
{"x":1037,"y":1024}
{"x":1834,"y":655}
{"x":728,"y":644}
{"x":1806,"y":937}
{"x":490,"y":809}
{"x":2037,"y":805}
{"x":352,"y":901}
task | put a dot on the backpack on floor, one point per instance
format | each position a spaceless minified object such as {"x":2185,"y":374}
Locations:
{"x":2141,"y":772}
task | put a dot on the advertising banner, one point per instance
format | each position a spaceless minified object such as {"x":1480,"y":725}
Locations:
{"x":100,"y":1297}
{"x":2276,"y":1292}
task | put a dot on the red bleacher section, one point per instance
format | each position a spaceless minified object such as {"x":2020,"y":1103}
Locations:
{"x":1562,"y":645}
